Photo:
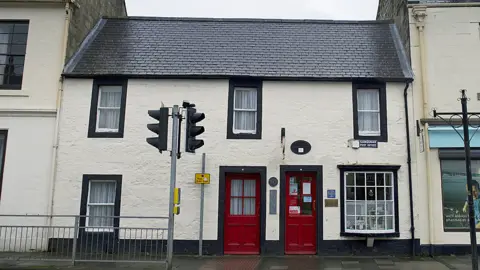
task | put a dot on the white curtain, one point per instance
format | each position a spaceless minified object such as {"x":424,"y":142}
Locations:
{"x":245,"y":109}
{"x":4,"y":38}
{"x":101,"y":204}
{"x":110,"y":98}
{"x":236,"y":198}
{"x":249,"y":203}
{"x":368,"y":112}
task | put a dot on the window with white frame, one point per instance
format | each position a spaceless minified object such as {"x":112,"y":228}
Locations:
{"x":108,"y":109}
{"x":368,"y":109}
{"x":101,"y":204}
{"x":369,"y":202}
{"x":245,"y":110}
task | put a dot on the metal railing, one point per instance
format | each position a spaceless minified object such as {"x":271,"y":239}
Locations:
{"x":83,"y":238}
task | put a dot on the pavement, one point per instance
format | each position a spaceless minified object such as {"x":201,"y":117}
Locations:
{"x":268,"y":263}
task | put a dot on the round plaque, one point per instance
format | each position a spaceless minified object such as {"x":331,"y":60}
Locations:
{"x":273,"y":181}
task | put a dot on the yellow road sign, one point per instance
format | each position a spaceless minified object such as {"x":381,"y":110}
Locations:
{"x":202,"y":178}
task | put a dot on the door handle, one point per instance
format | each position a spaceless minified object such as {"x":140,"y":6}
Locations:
{"x":314,"y":205}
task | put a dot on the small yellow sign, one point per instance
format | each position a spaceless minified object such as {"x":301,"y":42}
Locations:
{"x":202,"y":178}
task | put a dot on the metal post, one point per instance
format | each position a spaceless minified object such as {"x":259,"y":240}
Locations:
{"x":173,"y":172}
{"x":471,"y":213}
{"x":202,"y":198}
{"x":75,"y":237}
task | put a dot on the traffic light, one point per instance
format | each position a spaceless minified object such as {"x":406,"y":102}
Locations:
{"x":159,"y":142}
{"x":192,"y":130}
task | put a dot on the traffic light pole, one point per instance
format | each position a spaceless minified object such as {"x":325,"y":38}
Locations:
{"x":173,"y":174}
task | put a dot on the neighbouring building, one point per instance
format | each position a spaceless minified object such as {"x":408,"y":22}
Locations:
{"x":306,"y":133}
{"x":36,"y":39}
{"x":444,"y":42}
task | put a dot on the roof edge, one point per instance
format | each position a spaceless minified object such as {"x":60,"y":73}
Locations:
{"x":192,"y":76}
{"x":73,"y":61}
{"x":252,"y":20}
{"x":402,"y":55}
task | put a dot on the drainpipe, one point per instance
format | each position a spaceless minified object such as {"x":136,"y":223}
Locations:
{"x":409,"y":165}
{"x":69,"y":4}
{"x":419,"y":14}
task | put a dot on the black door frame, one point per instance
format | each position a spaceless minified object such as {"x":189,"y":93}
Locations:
{"x":318,"y":169}
{"x":262,"y":171}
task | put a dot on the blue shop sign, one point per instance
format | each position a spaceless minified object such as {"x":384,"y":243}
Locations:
{"x":447,"y":137}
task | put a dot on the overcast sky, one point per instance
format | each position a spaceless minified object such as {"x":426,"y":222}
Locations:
{"x":285,"y":9}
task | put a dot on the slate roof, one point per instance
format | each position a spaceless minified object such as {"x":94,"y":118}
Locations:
{"x":268,"y":48}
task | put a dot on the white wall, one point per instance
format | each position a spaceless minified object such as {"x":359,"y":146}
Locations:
{"x":318,"y":112}
{"x":43,"y":61}
{"x":452,"y":42}
{"x":29,"y":113}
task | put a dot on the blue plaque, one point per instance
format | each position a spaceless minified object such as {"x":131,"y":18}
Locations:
{"x":331,"y":193}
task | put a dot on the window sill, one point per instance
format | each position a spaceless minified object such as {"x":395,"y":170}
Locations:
{"x":13,"y":93}
{"x":369,"y":234}
{"x":244,"y":136}
{"x":105,"y":135}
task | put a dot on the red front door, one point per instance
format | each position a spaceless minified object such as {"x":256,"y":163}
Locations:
{"x":242,"y":214}
{"x":300,"y":232}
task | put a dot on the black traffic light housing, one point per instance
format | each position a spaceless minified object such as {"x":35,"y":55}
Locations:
{"x":192,"y":130}
{"x":160,"y":128}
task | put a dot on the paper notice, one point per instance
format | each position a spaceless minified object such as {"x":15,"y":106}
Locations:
{"x":306,"y":188}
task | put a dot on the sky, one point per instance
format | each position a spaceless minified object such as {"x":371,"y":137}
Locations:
{"x":279,"y":9}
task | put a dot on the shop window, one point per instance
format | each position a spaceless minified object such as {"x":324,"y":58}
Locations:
{"x":369,"y":201}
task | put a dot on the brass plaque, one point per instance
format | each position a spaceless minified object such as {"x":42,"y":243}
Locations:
{"x":331,"y":202}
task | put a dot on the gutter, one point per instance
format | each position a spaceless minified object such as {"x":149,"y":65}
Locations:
{"x":444,"y":5}
{"x":53,"y":168}
{"x":409,"y":165}
{"x":41,"y":2}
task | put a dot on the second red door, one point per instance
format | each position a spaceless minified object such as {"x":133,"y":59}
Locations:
{"x":301,"y":213}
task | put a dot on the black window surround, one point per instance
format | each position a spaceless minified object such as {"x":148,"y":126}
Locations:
{"x":13,"y":46}
{"x":92,"y":126}
{"x":250,"y":83}
{"x":369,"y":168}
{"x":383,"y":110}
{"x":3,"y":154}
{"x":84,"y":198}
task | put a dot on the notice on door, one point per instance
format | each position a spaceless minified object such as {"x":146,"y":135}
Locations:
{"x":306,"y":188}
{"x":294,"y":210}
{"x":293,"y":188}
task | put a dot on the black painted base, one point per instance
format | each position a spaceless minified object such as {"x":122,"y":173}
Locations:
{"x":399,"y":247}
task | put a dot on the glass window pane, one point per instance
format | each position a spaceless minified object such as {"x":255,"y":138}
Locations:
{"x":360,"y":193}
{"x":388,"y":193}
{"x":236,"y":206}
{"x":368,"y":99}
{"x":380,"y":179}
{"x":380,"y":193}
{"x":369,"y":122}
{"x":361,"y":208}
{"x":350,"y":193}
{"x":102,"y":192}
{"x":236,"y":188}
{"x":389,"y":209}
{"x":14,"y":79}
{"x":370,"y":179}
{"x":249,"y":188}
{"x":245,"y":98}
{"x":306,"y":206}
{"x":360,"y":179}
{"x":18,"y":60}
{"x":381,"y":223}
{"x":21,"y":28}
{"x":109,"y":118}
{"x":350,"y":209}
{"x":388,"y":179}
{"x":17,"y":49}
{"x":361,"y":223}
{"x":371,"y":223}
{"x":101,"y":215}
{"x":6,"y":28}
{"x":18,"y":70}
{"x":371,"y":208}
{"x":19,"y":38}
{"x":248,"y":206}
{"x":350,"y":179}
{"x":389,"y":223}
{"x":350,"y":223}
{"x":380,"y":207}
{"x":245,"y":120}
{"x":370,"y":193}
{"x":110,"y":96}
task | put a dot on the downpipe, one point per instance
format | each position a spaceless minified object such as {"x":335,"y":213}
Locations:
{"x":409,"y":166}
